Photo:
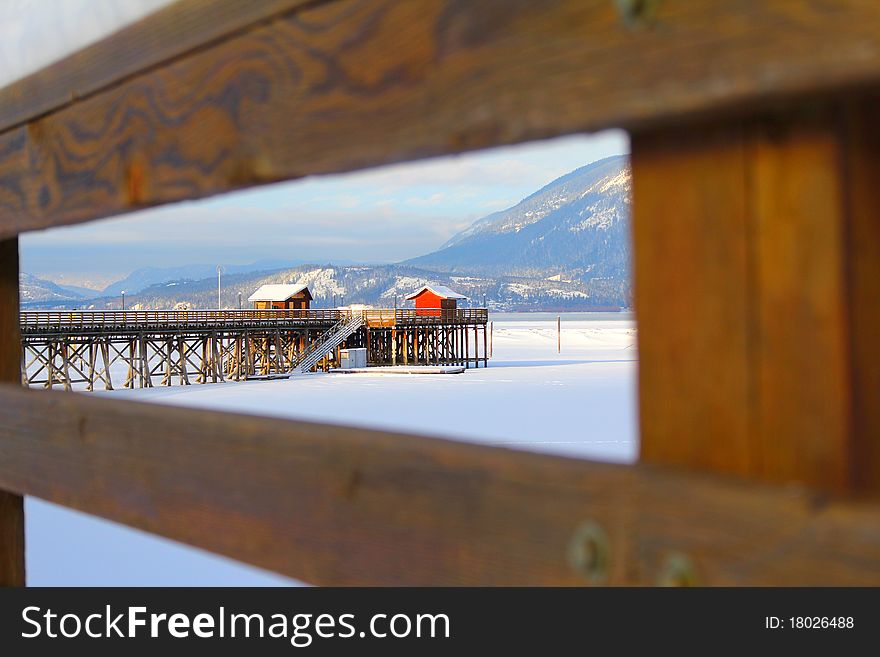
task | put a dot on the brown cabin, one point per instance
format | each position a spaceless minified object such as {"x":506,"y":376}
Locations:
{"x":434,"y":299}
{"x":285,"y":297}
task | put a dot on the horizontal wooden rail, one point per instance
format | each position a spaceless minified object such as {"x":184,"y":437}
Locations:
{"x":170,"y":32}
{"x":340,"y":505}
{"x":317,"y":90}
{"x":87,"y":318}
{"x":34,"y":322}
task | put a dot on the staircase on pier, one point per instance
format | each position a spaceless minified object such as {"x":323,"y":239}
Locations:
{"x":328,"y":342}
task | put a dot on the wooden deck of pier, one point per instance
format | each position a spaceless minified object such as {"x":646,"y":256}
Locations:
{"x":755,"y":132}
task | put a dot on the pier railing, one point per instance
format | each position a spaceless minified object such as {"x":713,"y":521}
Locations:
{"x":116,"y":318}
{"x":428,"y":315}
{"x":46,"y":320}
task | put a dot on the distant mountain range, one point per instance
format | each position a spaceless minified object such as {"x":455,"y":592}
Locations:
{"x":33,"y":289}
{"x":43,"y":291}
{"x":577,"y":226}
{"x":382,"y":285}
{"x":141,"y":279}
{"x":567,"y":246}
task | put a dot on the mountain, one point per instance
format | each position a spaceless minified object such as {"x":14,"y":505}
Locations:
{"x":576,"y":227}
{"x":376,"y":285}
{"x":84,"y":292}
{"x":33,"y":289}
{"x":142,"y":278}
{"x":565,"y":247}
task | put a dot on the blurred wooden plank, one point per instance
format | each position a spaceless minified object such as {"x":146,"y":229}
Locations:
{"x":167,"y":33}
{"x":790,"y":294}
{"x":337,"y":505}
{"x":690,"y":267}
{"x":801,"y":359}
{"x":12,"y":572}
{"x":11,"y":505}
{"x":862,"y":175}
{"x":349,"y":84}
{"x":10,"y":342}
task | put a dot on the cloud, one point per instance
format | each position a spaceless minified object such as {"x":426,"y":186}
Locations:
{"x":35,"y":33}
{"x":433,"y":199}
{"x":361,"y":233}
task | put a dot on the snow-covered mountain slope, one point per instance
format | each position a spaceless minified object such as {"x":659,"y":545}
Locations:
{"x":141,"y":279}
{"x":577,"y":226}
{"x":377,"y":285}
{"x":567,"y":246}
{"x":34,"y":289}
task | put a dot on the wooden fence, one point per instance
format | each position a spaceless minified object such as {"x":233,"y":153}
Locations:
{"x":755,"y":156}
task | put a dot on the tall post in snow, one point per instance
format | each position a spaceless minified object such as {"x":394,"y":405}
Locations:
{"x":558,"y":334}
{"x":491,"y":337}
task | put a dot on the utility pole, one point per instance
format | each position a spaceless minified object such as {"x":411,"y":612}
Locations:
{"x":219,"y":269}
{"x":123,"y":299}
{"x":558,"y":334}
{"x":239,"y":300}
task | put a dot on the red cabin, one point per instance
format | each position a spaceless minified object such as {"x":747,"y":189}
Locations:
{"x":435,"y":299}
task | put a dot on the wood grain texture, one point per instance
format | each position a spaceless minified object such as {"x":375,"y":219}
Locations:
{"x":790,"y":286}
{"x":690,"y":271}
{"x":12,"y":571}
{"x":11,"y":505}
{"x":10,"y":341}
{"x":803,"y":389}
{"x":170,"y":32}
{"x":862,"y":173}
{"x":356,"y":83}
{"x":335,"y":505}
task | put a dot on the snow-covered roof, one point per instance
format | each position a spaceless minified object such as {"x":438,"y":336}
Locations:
{"x":278,"y":292}
{"x":440,"y":290}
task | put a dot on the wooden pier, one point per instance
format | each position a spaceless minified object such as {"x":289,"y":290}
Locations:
{"x":143,"y":349}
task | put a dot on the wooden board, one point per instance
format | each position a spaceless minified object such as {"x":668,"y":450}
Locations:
{"x":690,"y":273}
{"x":11,"y":505}
{"x":170,"y":32}
{"x":801,"y":364}
{"x":337,"y":505}
{"x":319,"y":90}
{"x":757,"y":305}
{"x":862,"y":171}
{"x":12,"y":571}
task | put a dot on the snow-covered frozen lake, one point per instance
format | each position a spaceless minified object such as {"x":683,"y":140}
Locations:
{"x":580,"y":403}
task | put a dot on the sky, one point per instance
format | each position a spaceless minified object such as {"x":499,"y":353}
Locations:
{"x":385,"y":214}
{"x":36,"y":33}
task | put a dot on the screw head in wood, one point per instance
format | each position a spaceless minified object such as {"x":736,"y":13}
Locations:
{"x":588,"y":552}
{"x":637,"y":13}
{"x":677,"y":570}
